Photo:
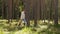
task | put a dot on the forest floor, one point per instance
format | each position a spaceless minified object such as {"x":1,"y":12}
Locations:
{"x":41,"y":28}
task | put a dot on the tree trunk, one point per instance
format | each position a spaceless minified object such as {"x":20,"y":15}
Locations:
{"x":27,"y":13}
{"x":43,"y":10}
{"x":35,"y":12}
{"x":9,"y":10}
{"x":3,"y":8}
{"x":56,"y":12}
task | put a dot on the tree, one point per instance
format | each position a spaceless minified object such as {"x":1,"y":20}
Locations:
{"x":27,"y":12}
{"x":9,"y":10}
{"x":43,"y":10}
{"x":3,"y":4}
{"x":56,"y":11}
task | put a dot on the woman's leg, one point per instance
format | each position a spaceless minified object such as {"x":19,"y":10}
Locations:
{"x":25,"y":21}
{"x":20,"y":21}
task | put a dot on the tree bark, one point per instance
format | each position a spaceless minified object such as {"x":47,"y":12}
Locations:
{"x":27,"y":13}
{"x":9,"y":10}
{"x":56,"y":11}
{"x":3,"y":8}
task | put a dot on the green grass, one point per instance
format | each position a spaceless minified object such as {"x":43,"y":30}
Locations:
{"x":40,"y":29}
{"x":30,"y":30}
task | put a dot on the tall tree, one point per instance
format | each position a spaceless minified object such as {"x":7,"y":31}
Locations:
{"x":35,"y":12}
{"x":3,"y":8}
{"x":9,"y":10}
{"x":43,"y":10}
{"x":17,"y":9}
{"x":38,"y":10}
{"x":27,"y":13}
{"x":56,"y":11}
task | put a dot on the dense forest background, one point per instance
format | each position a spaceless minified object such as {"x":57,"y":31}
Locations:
{"x":18,"y":6}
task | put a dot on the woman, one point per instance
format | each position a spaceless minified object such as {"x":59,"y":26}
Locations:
{"x":23,"y":20}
